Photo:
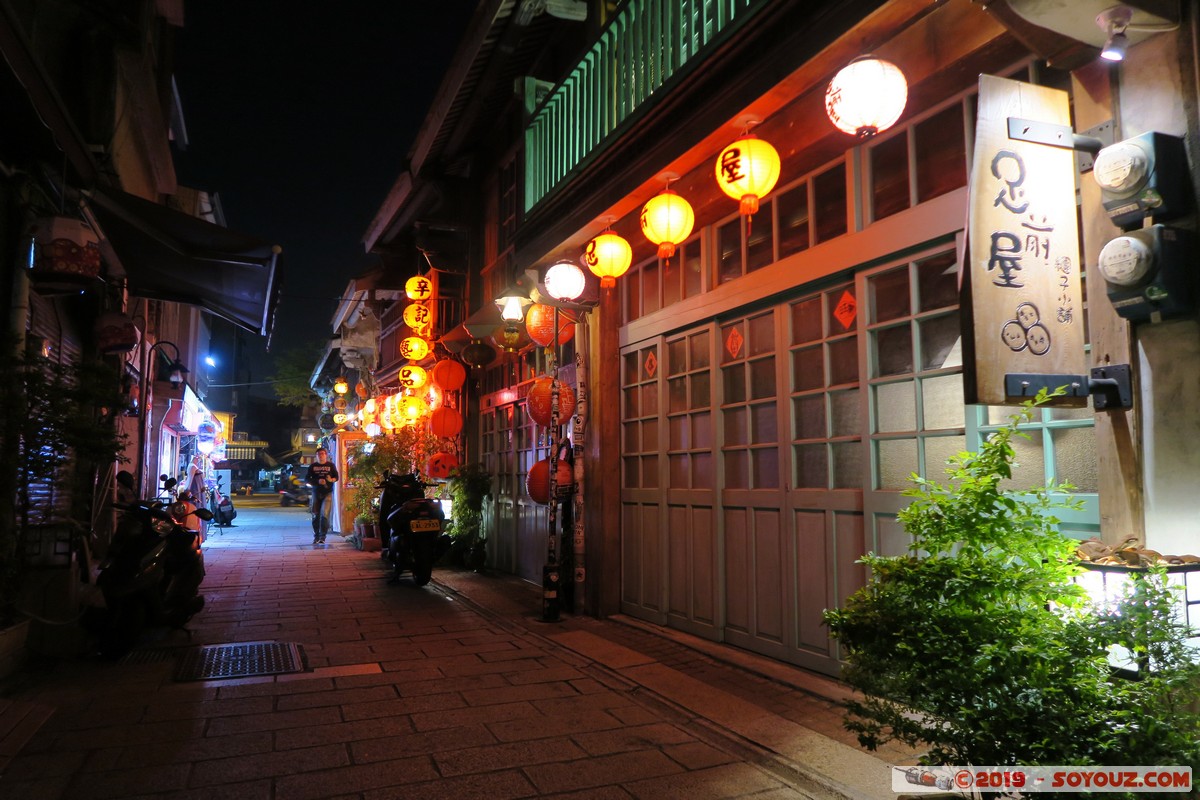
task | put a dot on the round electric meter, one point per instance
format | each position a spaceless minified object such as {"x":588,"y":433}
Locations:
{"x":1126,"y":261}
{"x":1122,"y":168}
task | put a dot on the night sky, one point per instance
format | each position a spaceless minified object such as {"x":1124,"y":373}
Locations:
{"x":300,"y":117}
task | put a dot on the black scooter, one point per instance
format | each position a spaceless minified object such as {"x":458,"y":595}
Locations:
{"x":222,"y":507}
{"x":411,"y":527}
{"x":153,"y":571}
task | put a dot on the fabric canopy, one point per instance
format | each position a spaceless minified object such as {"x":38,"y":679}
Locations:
{"x":169,"y":255}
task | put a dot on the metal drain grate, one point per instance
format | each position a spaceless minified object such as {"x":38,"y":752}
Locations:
{"x":240,"y":661}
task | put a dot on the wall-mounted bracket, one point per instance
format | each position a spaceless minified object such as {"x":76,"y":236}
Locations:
{"x":1110,"y":386}
{"x":1087,"y":144}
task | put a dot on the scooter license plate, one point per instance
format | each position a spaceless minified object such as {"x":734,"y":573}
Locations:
{"x":425,"y":525}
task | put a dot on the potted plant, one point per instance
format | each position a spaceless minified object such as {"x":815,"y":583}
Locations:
{"x":56,"y":430}
{"x":468,"y":486}
{"x":979,"y":645}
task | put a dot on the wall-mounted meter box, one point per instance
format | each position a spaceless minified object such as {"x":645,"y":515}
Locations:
{"x":1146,"y":176}
{"x":1151,"y":273}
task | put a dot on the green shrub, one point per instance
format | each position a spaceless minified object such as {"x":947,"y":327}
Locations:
{"x":977,"y":645}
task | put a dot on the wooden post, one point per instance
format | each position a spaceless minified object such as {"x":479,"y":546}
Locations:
{"x":603,"y":448}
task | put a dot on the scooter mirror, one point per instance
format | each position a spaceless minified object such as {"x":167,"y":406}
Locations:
{"x":169,"y":483}
{"x":204,"y":514}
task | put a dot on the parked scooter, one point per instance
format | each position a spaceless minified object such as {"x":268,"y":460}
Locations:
{"x":411,"y":528}
{"x":153,"y":570}
{"x":222,"y":506}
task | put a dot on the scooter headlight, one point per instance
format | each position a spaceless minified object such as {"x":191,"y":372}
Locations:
{"x":162,"y":527}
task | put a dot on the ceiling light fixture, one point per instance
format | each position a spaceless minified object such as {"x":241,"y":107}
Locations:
{"x":1113,"y":22}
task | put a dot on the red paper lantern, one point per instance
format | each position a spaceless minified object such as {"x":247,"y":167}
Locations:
{"x":478,"y":354}
{"x":538,"y":402}
{"x":448,"y":374}
{"x":440,"y":465}
{"x":537,"y":482}
{"x":445,"y":422}
{"x":539,"y":322}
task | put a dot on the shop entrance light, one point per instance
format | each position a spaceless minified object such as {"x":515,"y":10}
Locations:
{"x":1113,"y":22}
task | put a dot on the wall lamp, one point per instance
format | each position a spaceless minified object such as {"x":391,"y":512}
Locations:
{"x":1113,"y":22}
{"x":512,"y":303}
{"x":175,"y":370}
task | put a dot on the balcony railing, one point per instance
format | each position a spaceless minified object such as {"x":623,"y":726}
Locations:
{"x":646,"y":44}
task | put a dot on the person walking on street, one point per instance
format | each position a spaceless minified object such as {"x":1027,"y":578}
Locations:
{"x":322,"y":475}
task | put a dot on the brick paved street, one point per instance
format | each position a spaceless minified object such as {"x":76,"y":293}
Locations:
{"x":456,"y":690}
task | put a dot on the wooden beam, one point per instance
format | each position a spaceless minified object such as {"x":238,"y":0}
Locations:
{"x":1118,"y":453}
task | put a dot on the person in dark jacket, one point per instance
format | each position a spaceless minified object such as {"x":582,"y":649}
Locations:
{"x":322,"y":475}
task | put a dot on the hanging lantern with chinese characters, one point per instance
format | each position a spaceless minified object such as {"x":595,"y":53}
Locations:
{"x":418,"y":288}
{"x":538,"y":402}
{"x":539,"y":323}
{"x":747,"y":170}
{"x":412,"y":377}
{"x":340,"y":419}
{"x":448,"y":374}
{"x":608,"y":256}
{"x":866,"y":97}
{"x":418,"y":316}
{"x":414,"y":348}
{"x":341,"y":385}
{"x":413,"y":408}
{"x":667,"y":220}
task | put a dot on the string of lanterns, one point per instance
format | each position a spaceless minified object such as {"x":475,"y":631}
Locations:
{"x":866,"y":97}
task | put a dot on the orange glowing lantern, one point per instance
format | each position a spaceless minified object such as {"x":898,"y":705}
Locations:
{"x":414,"y":348}
{"x":418,"y":288}
{"x":418,"y":316}
{"x":448,"y":374}
{"x":445,"y":422}
{"x":440,"y":465}
{"x":667,"y":220}
{"x":413,"y":408}
{"x":537,"y":482}
{"x":411,"y":376}
{"x":747,"y":170}
{"x":538,"y":402}
{"x":539,"y":323}
{"x":360,"y":389}
{"x":608,"y":256}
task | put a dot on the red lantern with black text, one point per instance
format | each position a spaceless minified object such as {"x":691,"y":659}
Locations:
{"x":511,"y":338}
{"x":439,"y":465}
{"x":538,"y":402}
{"x":539,"y":322}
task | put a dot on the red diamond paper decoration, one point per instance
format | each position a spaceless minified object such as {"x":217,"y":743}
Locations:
{"x":651,"y":365}
{"x":734,"y":341}
{"x":847,"y":309}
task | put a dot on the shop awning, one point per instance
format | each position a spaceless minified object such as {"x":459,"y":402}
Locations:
{"x":169,"y":255}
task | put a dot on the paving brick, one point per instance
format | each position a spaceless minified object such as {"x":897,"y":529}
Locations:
{"x":147,"y":733}
{"x":402,"y":706}
{"x":731,"y":780}
{"x":273,"y":721}
{"x":607,"y":770}
{"x":619,"y":740}
{"x":493,"y":786}
{"x":209,"y":709}
{"x":55,"y":788}
{"x":42,"y":765}
{"x":367,"y":729}
{"x":431,"y":742}
{"x":360,"y":778}
{"x":129,"y":782}
{"x":545,"y":727}
{"x":286,"y":762}
{"x":597,"y":793}
{"x":469,"y":716}
{"x":698,"y":755}
{"x":511,"y":694}
{"x":338,"y":697}
{"x":443,"y":685}
{"x":497,"y":757}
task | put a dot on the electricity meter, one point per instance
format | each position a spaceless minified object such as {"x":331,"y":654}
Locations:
{"x":1142,"y":177}
{"x":1150,"y":273}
